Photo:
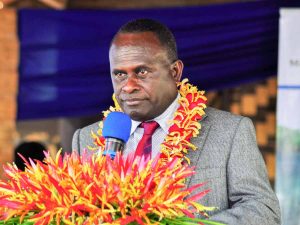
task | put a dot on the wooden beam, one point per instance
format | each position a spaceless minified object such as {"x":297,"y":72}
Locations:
{"x":56,"y":4}
{"x":7,"y":2}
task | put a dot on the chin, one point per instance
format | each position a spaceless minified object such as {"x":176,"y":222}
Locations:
{"x":137,"y":116}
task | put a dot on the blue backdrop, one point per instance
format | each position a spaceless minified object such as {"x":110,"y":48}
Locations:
{"x":64,"y":67}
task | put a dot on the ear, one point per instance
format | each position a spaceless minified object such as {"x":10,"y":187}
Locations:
{"x":176,"y":69}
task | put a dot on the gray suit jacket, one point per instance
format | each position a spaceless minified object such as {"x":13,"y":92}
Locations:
{"x":229,"y":160}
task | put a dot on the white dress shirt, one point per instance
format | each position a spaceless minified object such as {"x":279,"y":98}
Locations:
{"x":164,"y":121}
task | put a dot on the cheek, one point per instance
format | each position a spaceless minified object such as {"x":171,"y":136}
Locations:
{"x":162,"y":88}
{"x":116,"y":87}
{"x":113,"y":84}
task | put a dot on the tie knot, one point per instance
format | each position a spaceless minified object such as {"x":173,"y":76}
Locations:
{"x":149,"y":127}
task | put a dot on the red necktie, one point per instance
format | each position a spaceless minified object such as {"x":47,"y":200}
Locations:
{"x":145,"y":145}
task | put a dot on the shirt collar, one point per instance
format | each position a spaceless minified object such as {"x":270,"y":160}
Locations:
{"x":164,"y":119}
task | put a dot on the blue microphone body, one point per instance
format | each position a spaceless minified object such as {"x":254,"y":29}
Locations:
{"x":116,"y":131}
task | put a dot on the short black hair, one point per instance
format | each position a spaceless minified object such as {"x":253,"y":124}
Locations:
{"x":162,"y":32}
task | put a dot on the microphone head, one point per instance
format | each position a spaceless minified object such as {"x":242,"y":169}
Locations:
{"x":117,"y":125}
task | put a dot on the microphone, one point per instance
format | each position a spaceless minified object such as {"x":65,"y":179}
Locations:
{"x":116,"y":131}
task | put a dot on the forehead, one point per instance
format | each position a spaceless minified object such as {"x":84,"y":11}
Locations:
{"x":140,"y":38}
{"x":143,"y":47}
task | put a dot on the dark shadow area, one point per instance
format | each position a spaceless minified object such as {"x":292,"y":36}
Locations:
{"x":32,"y":150}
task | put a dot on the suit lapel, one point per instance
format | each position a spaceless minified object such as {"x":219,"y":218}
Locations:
{"x":199,"y":141}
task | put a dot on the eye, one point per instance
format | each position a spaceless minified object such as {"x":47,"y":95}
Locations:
{"x":120,"y":75}
{"x":142,"y":72}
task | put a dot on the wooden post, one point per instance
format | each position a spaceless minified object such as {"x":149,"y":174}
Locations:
{"x":8,"y":84}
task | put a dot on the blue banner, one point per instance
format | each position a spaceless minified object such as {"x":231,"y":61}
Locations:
{"x":64,"y":67}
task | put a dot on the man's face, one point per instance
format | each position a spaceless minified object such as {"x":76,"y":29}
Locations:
{"x":143,"y":77}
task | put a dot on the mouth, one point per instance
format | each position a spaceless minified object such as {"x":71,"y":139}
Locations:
{"x":132,"y":101}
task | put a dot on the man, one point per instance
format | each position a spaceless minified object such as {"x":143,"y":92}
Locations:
{"x":144,"y":71}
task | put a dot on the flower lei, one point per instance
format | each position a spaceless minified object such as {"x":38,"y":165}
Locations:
{"x":185,"y":124}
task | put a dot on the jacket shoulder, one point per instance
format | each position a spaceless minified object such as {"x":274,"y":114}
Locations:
{"x":90,"y":128}
{"x":86,"y":133}
{"x":82,"y":138}
{"x":216,"y":116}
{"x":225,"y":124}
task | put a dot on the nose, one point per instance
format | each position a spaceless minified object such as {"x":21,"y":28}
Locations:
{"x":131,"y":85}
